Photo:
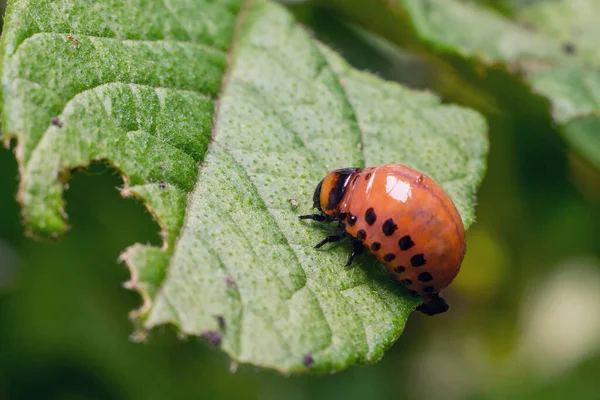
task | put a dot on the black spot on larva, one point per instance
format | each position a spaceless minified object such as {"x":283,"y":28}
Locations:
{"x":361,"y":234}
{"x":375,"y":246}
{"x":367,"y":176}
{"x":429,"y":289}
{"x":211,"y":337}
{"x":413,"y":292}
{"x":308,"y":360}
{"x":400,"y":269}
{"x":370,"y":216}
{"x":417,"y":260}
{"x":389,"y":257}
{"x":351,"y":219}
{"x":425,"y":277}
{"x":56,"y":122}
{"x":342,"y":216}
{"x":406,"y":282}
{"x":405,"y":243}
{"x":389,"y":227}
{"x":162,"y":184}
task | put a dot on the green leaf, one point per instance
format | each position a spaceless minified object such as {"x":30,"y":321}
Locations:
{"x":221,"y":116}
{"x":551,"y":45}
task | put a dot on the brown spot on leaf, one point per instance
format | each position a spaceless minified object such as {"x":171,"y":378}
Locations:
{"x":211,"y":337}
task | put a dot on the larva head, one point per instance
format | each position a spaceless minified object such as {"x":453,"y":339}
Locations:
{"x":331,"y":190}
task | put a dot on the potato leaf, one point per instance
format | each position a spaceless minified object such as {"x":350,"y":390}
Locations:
{"x":551,"y":45}
{"x":222,"y":116}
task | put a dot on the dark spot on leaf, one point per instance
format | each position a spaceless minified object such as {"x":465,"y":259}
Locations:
{"x":569,"y":47}
{"x":57,"y":122}
{"x":220,"y":321}
{"x":370,"y":216}
{"x":417,"y":260}
{"x":308,"y":360}
{"x":389,"y":227}
{"x":211,"y":337}
{"x":405,"y":243}
{"x":229,"y":281}
{"x":162,"y":185}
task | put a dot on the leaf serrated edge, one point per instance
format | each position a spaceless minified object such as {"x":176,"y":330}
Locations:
{"x":138,"y":315}
{"x":133,"y":284}
{"x":127,"y":193}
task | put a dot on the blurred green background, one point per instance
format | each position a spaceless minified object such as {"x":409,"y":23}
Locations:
{"x":525,"y":316}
